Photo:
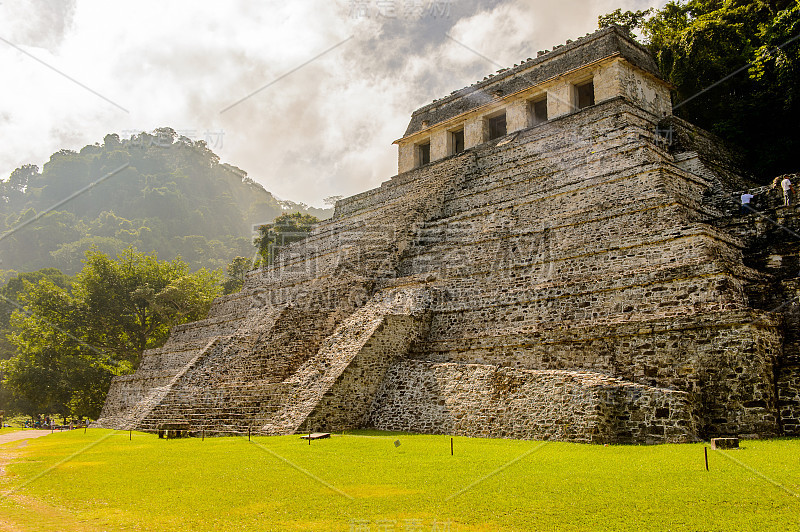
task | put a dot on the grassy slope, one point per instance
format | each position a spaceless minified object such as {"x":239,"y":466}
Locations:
{"x":231,"y":484}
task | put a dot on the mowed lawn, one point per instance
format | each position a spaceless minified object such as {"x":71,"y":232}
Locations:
{"x":364,"y":481}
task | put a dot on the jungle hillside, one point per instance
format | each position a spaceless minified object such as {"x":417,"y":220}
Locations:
{"x":155,"y":192}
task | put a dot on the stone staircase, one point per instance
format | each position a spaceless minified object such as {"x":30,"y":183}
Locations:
{"x":133,"y":398}
{"x":134,"y":417}
{"x":281,"y":371}
{"x":369,"y":337}
{"x":232,"y":402}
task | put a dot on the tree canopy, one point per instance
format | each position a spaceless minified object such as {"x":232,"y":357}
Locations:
{"x":236,"y":272}
{"x":735,"y":65}
{"x":70,"y":339}
{"x":11,"y":299}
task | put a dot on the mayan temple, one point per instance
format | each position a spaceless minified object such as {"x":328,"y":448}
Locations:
{"x":558,"y":257}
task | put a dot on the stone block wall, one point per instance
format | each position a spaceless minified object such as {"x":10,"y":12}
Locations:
{"x":604,"y":43}
{"x":347,"y":403}
{"x":772,"y":248}
{"x":788,"y":384}
{"x":492,"y":401}
{"x":724,"y":360}
{"x":125,"y":393}
{"x":242,"y":382}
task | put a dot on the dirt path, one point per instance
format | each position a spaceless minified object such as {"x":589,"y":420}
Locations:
{"x":32,"y":513}
{"x":22,"y":435}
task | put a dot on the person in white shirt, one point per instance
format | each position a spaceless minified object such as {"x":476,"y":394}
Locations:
{"x":786,"y":184}
{"x":746,"y":203}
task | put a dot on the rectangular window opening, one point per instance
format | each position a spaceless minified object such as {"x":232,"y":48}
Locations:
{"x":424,"y":151}
{"x":539,"y":111}
{"x":585,"y":94}
{"x":497,"y":126}
{"x":458,"y":141}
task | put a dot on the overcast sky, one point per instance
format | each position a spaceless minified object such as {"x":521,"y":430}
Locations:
{"x":305,"y":96}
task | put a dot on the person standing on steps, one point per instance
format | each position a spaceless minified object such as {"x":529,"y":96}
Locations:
{"x":745,"y":209}
{"x":788,"y":191}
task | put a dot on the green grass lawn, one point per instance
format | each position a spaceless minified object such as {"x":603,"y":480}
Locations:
{"x":102,"y":480}
{"x":7,"y":430}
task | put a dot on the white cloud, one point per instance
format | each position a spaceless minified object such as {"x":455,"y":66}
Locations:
{"x":325,"y":129}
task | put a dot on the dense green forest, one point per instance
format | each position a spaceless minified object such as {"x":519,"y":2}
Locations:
{"x":66,"y":337}
{"x":156,"y":192}
{"x":735,"y":65}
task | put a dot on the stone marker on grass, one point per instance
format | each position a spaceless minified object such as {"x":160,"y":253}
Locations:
{"x":724,"y":443}
{"x":316,"y":436}
{"x":173,"y":430}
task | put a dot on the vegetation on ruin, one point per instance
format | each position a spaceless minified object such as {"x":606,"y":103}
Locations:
{"x":735,"y":65}
{"x":287,"y":228}
{"x":364,"y":479}
{"x":235,"y":273}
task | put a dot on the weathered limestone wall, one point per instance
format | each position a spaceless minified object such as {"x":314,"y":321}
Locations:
{"x":243,"y":381}
{"x":773,"y":249}
{"x":724,"y":359}
{"x":502,"y":402}
{"x":132,"y":397}
{"x":347,"y":403}
{"x":645,"y":91}
{"x":125,"y":393}
{"x":788,"y":384}
{"x":788,"y":367}
{"x":616,"y":66}
{"x":531,"y":244}
{"x":360,"y":348}
{"x":612,"y":78}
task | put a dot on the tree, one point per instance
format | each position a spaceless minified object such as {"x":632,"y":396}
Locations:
{"x":70,"y":343}
{"x":629,"y":20}
{"x":236,"y":271}
{"x":53,"y":364}
{"x":11,"y":299}
{"x":735,"y":65}
{"x":133,"y":301}
{"x":330,"y":201}
{"x":286,"y":228}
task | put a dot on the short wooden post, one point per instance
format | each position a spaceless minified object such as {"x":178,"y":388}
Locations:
{"x":705,"y":451}
{"x":309,"y":438}
{"x":248,"y":433}
{"x":451,"y":446}
{"x":203,"y":432}
{"x":130,"y":434}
